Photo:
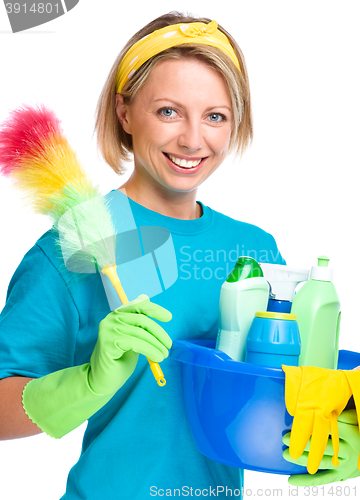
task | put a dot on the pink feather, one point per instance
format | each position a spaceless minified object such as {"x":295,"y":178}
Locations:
{"x":24,"y":135}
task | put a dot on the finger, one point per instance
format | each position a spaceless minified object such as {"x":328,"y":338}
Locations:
{"x":326,"y":462}
{"x":147,"y":324}
{"x":317,"y":479}
{"x":335,"y":439}
{"x":328,"y":449}
{"x":298,"y":461}
{"x":143,"y":305}
{"x":318,"y":443}
{"x":127,"y":335}
{"x":139,"y":344}
{"x":286,"y":439}
{"x":300,"y":433}
{"x":348,"y":417}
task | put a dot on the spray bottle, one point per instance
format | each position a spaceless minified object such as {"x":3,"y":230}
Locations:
{"x":244,"y":292}
{"x":283,"y":280}
{"x":317,"y":308}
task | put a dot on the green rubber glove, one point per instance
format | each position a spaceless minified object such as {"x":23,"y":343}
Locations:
{"x":348,"y":455}
{"x":63,"y":400}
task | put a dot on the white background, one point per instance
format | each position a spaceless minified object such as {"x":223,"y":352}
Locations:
{"x":299,"y":181}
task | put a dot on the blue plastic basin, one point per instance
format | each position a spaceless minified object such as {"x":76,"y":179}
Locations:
{"x":236,"y":411}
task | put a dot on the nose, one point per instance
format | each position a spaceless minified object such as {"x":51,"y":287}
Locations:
{"x":191,"y":136}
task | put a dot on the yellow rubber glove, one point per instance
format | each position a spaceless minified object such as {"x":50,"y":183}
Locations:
{"x":348,"y":455}
{"x":353,"y":378}
{"x":315,"y":397}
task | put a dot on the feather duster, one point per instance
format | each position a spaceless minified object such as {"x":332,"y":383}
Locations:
{"x":35,"y":154}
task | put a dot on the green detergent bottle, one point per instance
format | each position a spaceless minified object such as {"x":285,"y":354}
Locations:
{"x":244,"y":292}
{"x":317,"y":309}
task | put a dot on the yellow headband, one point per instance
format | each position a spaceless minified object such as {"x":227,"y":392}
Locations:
{"x":170,"y":36}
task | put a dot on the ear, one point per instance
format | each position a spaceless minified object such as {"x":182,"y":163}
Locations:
{"x":122,"y":111}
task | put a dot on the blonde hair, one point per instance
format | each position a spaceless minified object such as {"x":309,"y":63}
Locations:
{"x":115,"y":144}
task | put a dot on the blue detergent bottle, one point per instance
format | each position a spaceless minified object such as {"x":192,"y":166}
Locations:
{"x":273,"y":340}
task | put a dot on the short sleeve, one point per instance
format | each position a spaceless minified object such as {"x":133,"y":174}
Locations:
{"x":39,"y":323}
{"x":275,"y":256}
{"x":264,"y":247}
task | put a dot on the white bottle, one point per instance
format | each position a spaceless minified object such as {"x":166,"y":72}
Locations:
{"x":244,"y":292}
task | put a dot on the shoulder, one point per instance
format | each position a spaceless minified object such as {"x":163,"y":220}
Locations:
{"x":42,"y":267}
{"x":226,"y":222}
{"x":40,"y":264}
{"x":48,"y":247}
{"x":251,"y":238}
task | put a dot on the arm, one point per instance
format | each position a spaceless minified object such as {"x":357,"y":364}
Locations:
{"x":38,"y":329}
{"x":62,"y":400}
{"x":27,"y":350}
{"x":14,"y":423}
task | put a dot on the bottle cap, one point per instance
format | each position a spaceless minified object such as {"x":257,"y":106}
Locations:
{"x":245,"y":267}
{"x":323,"y":261}
{"x":322,"y":272}
{"x":275,"y":315}
{"x":283,"y":279}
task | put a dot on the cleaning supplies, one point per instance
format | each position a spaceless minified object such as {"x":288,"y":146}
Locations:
{"x":36,"y":155}
{"x":244,"y":292}
{"x":283,"y":281}
{"x":317,"y":309}
{"x":61,"y":401}
{"x":315,"y":397}
{"x":348,"y":454}
{"x":273,"y":340}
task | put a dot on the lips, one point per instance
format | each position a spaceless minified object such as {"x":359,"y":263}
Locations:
{"x":184,"y":162}
{"x":186,"y":170}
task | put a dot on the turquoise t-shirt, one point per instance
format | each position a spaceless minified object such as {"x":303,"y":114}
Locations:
{"x":139,"y":444}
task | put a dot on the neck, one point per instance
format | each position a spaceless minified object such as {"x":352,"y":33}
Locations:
{"x":178,"y":205}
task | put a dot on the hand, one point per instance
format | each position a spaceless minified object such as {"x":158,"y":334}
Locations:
{"x":123,"y":335}
{"x":348,"y":455}
{"x":315,"y":397}
{"x":61,"y":401}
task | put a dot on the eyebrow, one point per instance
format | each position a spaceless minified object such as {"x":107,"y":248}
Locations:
{"x":178,"y":104}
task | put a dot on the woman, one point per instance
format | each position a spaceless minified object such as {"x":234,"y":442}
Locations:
{"x":178,"y":99}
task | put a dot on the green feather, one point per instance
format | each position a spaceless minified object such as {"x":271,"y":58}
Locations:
{"x":86,"y":233}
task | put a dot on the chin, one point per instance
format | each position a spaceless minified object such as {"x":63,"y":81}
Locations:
{"x":181,"y":188}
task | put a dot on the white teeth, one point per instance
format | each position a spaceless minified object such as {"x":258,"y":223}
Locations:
{"x":184,"y":163}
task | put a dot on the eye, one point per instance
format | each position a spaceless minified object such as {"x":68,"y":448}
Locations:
{"x":217,"y":117}
{"x":167,"y":112}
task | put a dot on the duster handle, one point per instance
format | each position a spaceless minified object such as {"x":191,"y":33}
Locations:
{"x":110,"y":272}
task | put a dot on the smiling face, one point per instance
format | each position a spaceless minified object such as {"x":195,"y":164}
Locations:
{"x":180,"y":122}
